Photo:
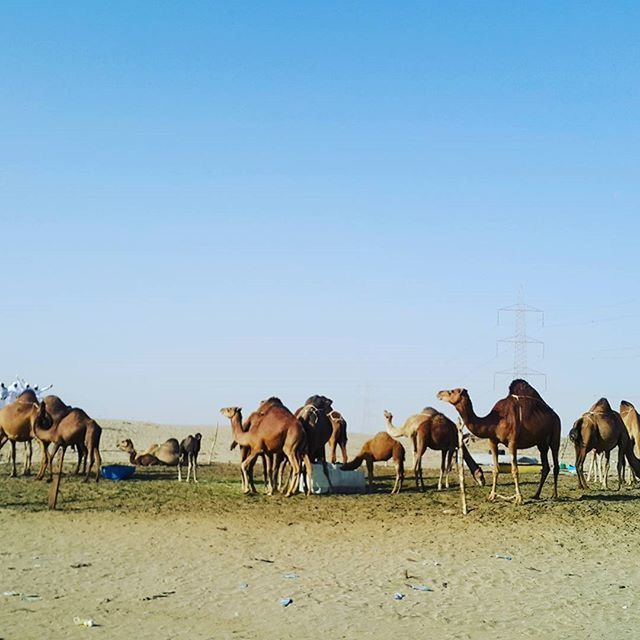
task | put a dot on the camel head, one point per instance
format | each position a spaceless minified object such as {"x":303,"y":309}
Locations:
{"x":388,"y":415}
{"x":125,"y":445}
{"x":43,"y":418}
{"x":453,"y":396}
{"x":231,"y":412}
{"x":309,"y":414}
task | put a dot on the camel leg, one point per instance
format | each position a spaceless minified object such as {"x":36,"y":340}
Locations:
{"x":309,"y":467}
{"x":28,"y":454}
{"x":244,"y":467}
{"x":343,"y":448}
{"x":620,"y":466}
{"x":495,"y":471}
{"x":450,"y":454}
{"x":332,"y":449}
{"x":414,"y":444}
{"x":269,"y":483}
{"x":515,"y":474}
{"x":544,"y":459}
{"x":592,"y":467}
{"x":295,"y":473}
{"x":581,"y":455}
{"x":195,"y":467}
{"x":369,"y":462}
{"x":179,"y":468}
{"x":443,"y":464}
{"x":605,"y":475}
{"x":44,"y":460}
{"x":55,"y":486}
{"x":93,"y":454}
{"x":14,"y":472}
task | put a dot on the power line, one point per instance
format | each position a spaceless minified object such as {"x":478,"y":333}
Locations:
{"x":520,"y":342}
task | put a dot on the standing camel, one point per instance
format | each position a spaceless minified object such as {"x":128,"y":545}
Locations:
{"x":380,"y":448}
{"x":17,"y":423}
{"x":75,"y":429}
{"x":435,"y":431}
{"x":602,"y":429}
{"x":338,"y":436}
{"x":318,"y":428}
{"x":277,"y":432}
{"x":519,"y":421}
{"x":189,"y":450}
{"x":632,"y":422}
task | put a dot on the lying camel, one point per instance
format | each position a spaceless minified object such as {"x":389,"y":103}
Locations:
{"x":434,"y":431}
{"x":167,"y":454}
{"x":75,"y":429}
{"x":380,"y":448}
{"x":602,"y":429}
{"x":17,"y":421}
{"x":274,"y":431}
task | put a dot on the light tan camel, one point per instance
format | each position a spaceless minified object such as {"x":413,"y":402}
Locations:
{"x":602,"y":429}
{"x":338,"y":436}
{"x":435,"y":431}
{"x":277,"y":431}
{"x":519,"y":421}
{"x":631,"y":420}
{"x":409,"y":429}
{"x":75,"y":429}
{"x":17,"y":422}
{"x":167,"y":454}
{"x":380,"y":448}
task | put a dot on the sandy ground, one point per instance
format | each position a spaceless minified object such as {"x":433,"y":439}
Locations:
{"x":152,"y":558}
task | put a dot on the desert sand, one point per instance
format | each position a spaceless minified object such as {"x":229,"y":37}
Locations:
{"x":152,"y":558}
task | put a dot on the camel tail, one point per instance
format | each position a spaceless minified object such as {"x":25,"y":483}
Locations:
{"x":354,"y":464}
{"x":575,"y":435}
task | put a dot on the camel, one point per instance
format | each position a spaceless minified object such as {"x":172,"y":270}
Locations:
{"x":275,"y":431}
{"x":410,"y":429}
{"x":631,"y":420}
{"x":338,"y":436}
{"x":17,"y":423}
{"x":318,"y":428}
{"x":519,"y":421}
{"x":189,"y":450}
{"x":602,"y":429}
{"x":380,"y":448}
{"x":167,"y":454}
{"x":434,"y":431}
{"x":77,"y":429}
{"x":58,"y":410}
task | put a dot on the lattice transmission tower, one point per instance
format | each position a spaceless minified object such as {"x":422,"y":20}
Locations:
{"x":520,"y":343}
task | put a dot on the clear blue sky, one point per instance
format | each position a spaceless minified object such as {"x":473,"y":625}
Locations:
{"x":204,"y":204}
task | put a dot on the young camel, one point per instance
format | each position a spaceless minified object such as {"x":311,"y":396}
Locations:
{"x":277,"y":431}
{"x":189,"y":450}
{"x":17,"y":423}
{"x":602,"y":429}
{"x":519,"y":421}
{"x":439,"y":433}
{"x":137,"y":459}
{"x":75,"y":429}
{"x":338,"y":436}
{"x":380,"y":448}
{"x":167,"y":454}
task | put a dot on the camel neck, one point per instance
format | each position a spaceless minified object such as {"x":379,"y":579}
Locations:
{"x":239,"y":435}
{"x":479,"y":426}
{"x":132,"y":457}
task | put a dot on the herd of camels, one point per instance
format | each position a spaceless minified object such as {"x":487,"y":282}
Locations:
{"x":296,"y":440}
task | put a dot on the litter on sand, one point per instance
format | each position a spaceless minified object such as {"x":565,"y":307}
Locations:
{"x":398,"y":596}
{"x":244,"y":585}
{"x":420,"y":587}
{"x":30,"y":598}
{"x":10,"y":593}
{"x":285,"y":602}
{"x":291,"y":576}
{"x":501,"y":557}
{"x":84,"y":622}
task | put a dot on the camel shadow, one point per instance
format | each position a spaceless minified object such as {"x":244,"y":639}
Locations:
{"x":609,"y":497}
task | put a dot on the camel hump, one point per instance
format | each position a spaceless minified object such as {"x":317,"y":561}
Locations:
{"x":521,"y":387}
{"x":430,"y":411}
{"x":601,"y":406}
{"x":626,"y":405}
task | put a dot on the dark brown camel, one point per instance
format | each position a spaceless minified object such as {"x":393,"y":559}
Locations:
{"x":275,"y":431}
{"x":189,"y":450}
{"x":602,"y":429}
{"x":380,"y":448}
{"x":519,"y":421}
{"x":318,"y":427}
{"x":434,"y":431}
{"x":17,"y":423}
{"x":75,"y":429}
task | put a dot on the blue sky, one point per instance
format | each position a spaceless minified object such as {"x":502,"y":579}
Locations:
{"x":204,"y":204}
